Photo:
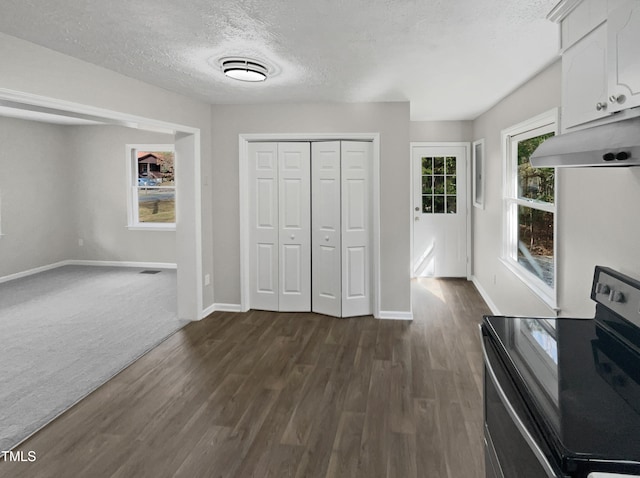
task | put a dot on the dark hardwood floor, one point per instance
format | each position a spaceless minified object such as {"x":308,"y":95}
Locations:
{"x":287,"y":395}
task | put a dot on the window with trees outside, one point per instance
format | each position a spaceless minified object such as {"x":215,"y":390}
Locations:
{"x":530,"y":208}
{"x":152,"y":186}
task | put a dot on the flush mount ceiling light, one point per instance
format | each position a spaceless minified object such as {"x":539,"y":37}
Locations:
{"x":244,"y":69}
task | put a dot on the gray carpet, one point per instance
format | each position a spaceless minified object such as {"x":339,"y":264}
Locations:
{"x":67,"y":331}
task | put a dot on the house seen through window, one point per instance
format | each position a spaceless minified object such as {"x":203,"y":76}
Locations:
{"x":153,"y":186}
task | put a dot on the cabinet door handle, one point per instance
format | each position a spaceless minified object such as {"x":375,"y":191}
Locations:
{"x":617,"y":98}
{"x":600,"y":105}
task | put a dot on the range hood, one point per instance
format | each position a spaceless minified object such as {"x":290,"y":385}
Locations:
{"x":612,"y":144}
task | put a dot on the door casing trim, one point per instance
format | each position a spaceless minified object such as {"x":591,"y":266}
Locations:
{"x":243,"y":146}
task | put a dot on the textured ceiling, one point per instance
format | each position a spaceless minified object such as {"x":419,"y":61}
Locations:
{"x":452,"y":59}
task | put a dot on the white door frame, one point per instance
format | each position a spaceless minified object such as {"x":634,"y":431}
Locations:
{"x":467,"y":159}
{"x":244,"y":140}
{"x":189,"y":207}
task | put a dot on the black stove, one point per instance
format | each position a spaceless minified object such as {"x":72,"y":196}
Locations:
{"x":574,"y":385}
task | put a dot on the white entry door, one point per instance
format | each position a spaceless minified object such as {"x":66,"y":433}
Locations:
{"x":440,"y":211}
{"x":280,"y":226}
{"x":326,"y":229}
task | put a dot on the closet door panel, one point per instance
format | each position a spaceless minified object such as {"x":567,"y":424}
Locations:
{"x":294,"y":182}
{"x":356,"y":228}
{"x":263,"y":220}
{"x":326,"y":244}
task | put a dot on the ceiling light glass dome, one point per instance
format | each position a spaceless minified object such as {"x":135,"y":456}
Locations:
{"x":244,"y":69}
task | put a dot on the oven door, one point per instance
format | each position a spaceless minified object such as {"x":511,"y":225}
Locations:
{"x":513,"y":447}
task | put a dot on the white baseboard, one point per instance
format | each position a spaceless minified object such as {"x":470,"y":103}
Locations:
{"x":227,"y":307}
{"x":395,"y":315}
{"x":209,"y":310}
{"x":30,"y":272}
{"x":144,"y":265}
{"x":75,"y":262}
{"x":485,"y":296}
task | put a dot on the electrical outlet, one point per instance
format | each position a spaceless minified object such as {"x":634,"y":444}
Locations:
{"x":81,"y":242}
{"x":207,"y":279}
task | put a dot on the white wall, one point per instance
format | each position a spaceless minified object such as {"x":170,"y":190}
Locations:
{"x":36,"y":70}
{"x":36,"y":217}
{"x":508,"y":293}
{"x":391,"y":120}
{"x":597,"y":214}
{"x":598,"y":225}
{"x":439,"y":131}
{"x":100,"y":197}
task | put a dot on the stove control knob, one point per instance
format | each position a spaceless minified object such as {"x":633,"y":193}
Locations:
{"x":622,"y":156}
{"x":602,"y":288}
{"x":616,"y":296}
{"x":608,"y":156}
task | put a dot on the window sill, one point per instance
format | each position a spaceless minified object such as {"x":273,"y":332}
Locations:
{"x":550,"y":299}
{"x":158,"y":228}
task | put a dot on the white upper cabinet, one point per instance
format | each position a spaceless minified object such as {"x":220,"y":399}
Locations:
{"x":584,"y":17}
{"x":584,"y":79}
{"x":623,"y":29}
{"x":600,"y":59}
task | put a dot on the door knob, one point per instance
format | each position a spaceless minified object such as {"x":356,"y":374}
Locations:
{"x":292,"y":237}
{"x":417,"y":208}
{"x":326,"y":238}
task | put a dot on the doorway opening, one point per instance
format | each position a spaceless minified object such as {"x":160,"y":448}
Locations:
{"x":188,"y":207}
{"x":91,"y":312}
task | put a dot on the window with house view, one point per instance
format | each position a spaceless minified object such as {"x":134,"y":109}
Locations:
{"x":153,"y":198}
{"x":530,"y":209}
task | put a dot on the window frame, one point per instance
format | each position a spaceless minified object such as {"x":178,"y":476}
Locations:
{"x":445,"y":175}
{"x":544,"y":123}
{"x":477,"y":174}
{"x":133,"y":222}
{"x":1,"y":234}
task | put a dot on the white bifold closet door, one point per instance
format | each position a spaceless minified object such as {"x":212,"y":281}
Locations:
{"x":356,"y":228}
{"x":295,"y":226}
{"x":326,"y":229}
{"x":341,"y":228}
{"x":280,"y":226}
{"x":310,"y":227}
{"x":263,"y":220}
